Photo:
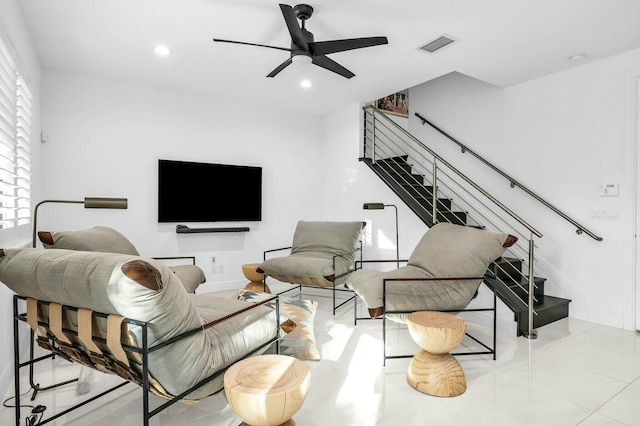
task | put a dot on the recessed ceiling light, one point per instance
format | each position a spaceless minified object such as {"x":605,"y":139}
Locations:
{"x":578,"y":57}
{"x":305,"y":83}
{"x":162,"y":50}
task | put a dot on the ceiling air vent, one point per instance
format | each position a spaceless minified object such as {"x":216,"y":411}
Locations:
{"x":438,"y":44}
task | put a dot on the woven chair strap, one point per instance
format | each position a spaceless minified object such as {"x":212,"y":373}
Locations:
{"x":85,"y":330}
{"x":32,"y":317}
{"x":55,"y":323}
{"x":114,"y":332}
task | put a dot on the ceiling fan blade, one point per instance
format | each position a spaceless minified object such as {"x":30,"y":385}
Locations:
{"x":331,"y":65}
{"x":292,"y":24}
{"x":280,"y":68}
{"x":333,"y":46}
{"x":251,"y":44}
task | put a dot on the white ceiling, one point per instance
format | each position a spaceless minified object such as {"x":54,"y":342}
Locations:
{"x":502,"y":42}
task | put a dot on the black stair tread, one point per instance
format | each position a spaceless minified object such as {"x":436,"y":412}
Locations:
{"x":443,"y":206}
{"x":406,"y":178}
{"x":553,"y":309}
{"x":551,"y":302}
{"x":458,"y":218}
{"x":524,"y":281}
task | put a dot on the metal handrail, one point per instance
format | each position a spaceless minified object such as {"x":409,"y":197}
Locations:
{"x":461,"y":175}
{"x":513,"y":181}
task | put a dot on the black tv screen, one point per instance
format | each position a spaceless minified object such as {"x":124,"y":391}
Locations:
{"x":207,"y":192}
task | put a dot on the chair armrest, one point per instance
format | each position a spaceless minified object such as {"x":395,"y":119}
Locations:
{"x":264,"y":254}
{"x":390,"y":280}
{"x":381,"y":261}
{"x":343,"y":255}
{"x":254,"y":305}
{"x":191,"y":258}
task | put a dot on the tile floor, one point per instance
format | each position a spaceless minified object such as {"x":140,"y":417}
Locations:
{"x":575,"y":373}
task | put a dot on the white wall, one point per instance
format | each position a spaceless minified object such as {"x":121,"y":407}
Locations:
{"x":561,"y":136}
{"x":105,"y":139}
{"x":14,"y":31}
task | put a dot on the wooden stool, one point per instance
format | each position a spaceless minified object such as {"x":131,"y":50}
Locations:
{"x":434,"y":370}
{"x":267,"y":390}
{"x":257,"y":279}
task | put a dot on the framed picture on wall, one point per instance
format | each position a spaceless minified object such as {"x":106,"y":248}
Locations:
{"x":396,"y":103}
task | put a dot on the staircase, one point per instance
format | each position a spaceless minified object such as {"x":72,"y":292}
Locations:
{"x":409,"y":168}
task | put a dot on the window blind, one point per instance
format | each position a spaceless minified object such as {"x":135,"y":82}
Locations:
{"x":15,"y":142}
{"x":23,"y":152}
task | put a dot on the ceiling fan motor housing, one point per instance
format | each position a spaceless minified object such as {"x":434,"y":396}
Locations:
{"x":303,"y":11}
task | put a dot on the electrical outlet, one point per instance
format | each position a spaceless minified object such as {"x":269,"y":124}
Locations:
{"x":214,"y":269}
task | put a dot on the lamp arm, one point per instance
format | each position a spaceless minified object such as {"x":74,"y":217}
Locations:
{"x":35,"y":215}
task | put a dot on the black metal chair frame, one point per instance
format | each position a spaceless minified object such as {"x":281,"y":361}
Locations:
{"x":490,"y":350}
{"x":143,"y":351}
{"x":334,"y":288}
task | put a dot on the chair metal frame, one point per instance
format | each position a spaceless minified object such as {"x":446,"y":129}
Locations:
{"x":19,"y":315}
{"x":334,"y":288}
{"x":490,"y":349}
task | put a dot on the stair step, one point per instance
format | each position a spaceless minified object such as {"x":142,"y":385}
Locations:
{"x":444,"y":204}
{"x":508,"y":267}
{"x":394,"y":165}
{"x":553,"y":309}
{"x":404,"y":178}
{"x":458,"y":218}
{"x":425,"y":191}
{"x":522,"y":289}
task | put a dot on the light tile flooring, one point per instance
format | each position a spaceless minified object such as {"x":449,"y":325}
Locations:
{"x":575,"y":373}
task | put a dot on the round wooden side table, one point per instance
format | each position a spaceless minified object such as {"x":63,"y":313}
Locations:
{"x":267,"y":390}
{"x":434,"y":370}
{"x":256,"y":278}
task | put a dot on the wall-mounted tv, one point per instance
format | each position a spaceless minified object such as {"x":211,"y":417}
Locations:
{"x":207,"y":192}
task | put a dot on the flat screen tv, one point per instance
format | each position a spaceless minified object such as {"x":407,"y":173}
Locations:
{"x":207,"y":192}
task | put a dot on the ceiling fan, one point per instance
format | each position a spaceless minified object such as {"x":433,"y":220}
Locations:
{"x":304,"y":49}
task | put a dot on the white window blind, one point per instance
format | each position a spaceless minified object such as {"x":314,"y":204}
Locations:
{"x":15,"y":142}
{"x":23,"y":152}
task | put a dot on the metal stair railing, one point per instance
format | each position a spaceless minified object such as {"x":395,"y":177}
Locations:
{"x":390,"y":150}
{"x":513,"y":182}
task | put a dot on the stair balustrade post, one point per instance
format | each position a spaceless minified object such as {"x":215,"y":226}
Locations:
{"x":373,"y":138}
{"x":531,"y":333}
{"x":364,"y":134}
{"x":434,"y":193}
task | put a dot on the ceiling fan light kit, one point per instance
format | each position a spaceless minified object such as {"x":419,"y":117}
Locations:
{"x":303,"y":47}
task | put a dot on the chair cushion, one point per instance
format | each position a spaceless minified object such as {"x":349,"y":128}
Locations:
{"x":108,"y":240}
{"x":146,"y":290}
{"x":191,"y":276}
{"x":445,"y":251}
{"x":315,"y":244}
{"x":98,"y":238}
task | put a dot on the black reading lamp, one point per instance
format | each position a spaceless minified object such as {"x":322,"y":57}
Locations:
{"x":89,"y":203}
{"x":381,"y":206}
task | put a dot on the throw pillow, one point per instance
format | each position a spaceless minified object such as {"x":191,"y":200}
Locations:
{"x":301,"y":341}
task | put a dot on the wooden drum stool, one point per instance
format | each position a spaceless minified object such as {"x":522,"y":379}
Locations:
{"x":267,"y":390}
{"x":257,"y":279}
{"x":434,"y":370}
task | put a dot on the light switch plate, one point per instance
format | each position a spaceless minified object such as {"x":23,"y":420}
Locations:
{"x":608,"y":190}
